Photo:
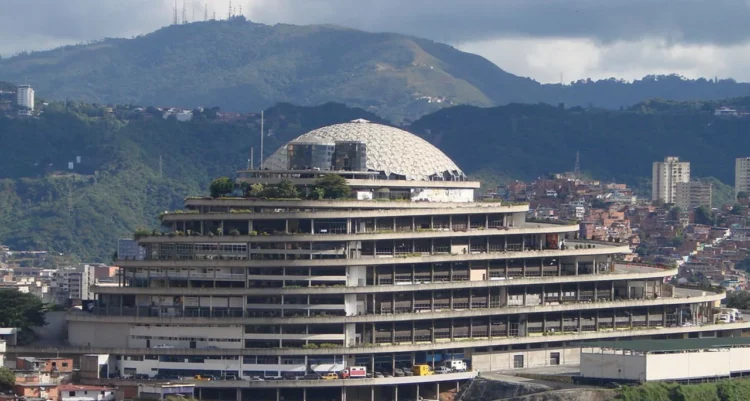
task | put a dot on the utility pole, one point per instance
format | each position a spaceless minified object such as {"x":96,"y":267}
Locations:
{"x":250,"y":160}
{"x":261,"y":139}
{"x":577,"y":167}
{"x":161,"y":167}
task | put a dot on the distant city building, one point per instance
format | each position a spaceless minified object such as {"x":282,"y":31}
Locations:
{"x":725,"y":111}
{"x":25,"y":97}
{"x":690,"y":195}
{"x":666,"y":176}
{"x":741,"y":175}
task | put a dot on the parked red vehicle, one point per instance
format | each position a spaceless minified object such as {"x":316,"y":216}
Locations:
{"x":354,"y":372}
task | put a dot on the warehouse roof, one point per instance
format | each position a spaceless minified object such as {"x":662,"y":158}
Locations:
{"x":671,"y":345}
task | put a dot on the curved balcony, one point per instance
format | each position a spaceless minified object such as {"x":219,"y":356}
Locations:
{"x":622,"y":272}
{"x":236,"y":316}
{"x":386,"y":348}
{"x":526,"y":228}
{"x":351,"y":204}
{"x":343,"y":214}
{"x":597,"y":248}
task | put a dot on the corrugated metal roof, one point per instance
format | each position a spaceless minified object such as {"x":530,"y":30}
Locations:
{"x":4,"y":331}
{"x":671,"y":345}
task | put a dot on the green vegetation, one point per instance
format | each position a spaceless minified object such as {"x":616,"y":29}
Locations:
{"x":23,"y":311}
{"x":528,"y":141}
{"x":7,"y":379}
{"x":739,"y":299}
{"x":119,"y":187}
{"x":724,"y":390}
{"x":331,"y":186}
{"x":221,"y":62}
{"x":221,"y":187}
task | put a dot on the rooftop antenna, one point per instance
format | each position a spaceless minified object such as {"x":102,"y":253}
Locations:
{"x":174,"y":17}
{"x":261,"y":139}
{"x":577,"y":167}
{"x":184,"y":12}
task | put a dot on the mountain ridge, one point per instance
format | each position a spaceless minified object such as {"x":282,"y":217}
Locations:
{"x":243,"y":66}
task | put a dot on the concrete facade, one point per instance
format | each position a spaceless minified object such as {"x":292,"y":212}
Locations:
{"x":693,"y":194}
{"x":665,"y":177}
{"x":741,"y":175}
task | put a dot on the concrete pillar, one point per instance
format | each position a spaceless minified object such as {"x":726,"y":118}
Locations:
{"x":239,"y":394}
{"x":304,"y":394}
{"x":343,"y":394}
{"x":372,"y":393}
{"x":278,"y":394}
{"x":395,"y":393}
{"x":596,"y":320}
{"x":596,"y":295}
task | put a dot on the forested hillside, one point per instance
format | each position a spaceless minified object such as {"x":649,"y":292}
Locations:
{"x":121,"y":184}
{"x":530,"y":140}
{"x":243,"y":66}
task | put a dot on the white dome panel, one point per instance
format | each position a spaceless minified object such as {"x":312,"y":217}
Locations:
{"x":390,"y":150}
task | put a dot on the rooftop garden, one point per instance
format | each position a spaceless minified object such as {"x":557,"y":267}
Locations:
{"x":330,"y":186}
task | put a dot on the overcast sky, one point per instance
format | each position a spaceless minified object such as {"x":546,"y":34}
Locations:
{"x":547,"y":40}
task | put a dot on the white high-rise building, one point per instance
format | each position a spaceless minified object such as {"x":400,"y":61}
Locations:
{"x":666,"y":176}
{"x":742,"y":175}
{"x":25,"y":97}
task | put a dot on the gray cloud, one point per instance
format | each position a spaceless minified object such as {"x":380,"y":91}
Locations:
{"x":605,"y":21}
{"x":44,"y":24}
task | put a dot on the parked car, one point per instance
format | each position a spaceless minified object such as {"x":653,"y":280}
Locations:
{"x":398,"y":372}
{"x":441,"y":370}
{"x":330,"y":376}
{"x":256,"y":379}
{"x":379,"y":375}
{"x":311,"y":376}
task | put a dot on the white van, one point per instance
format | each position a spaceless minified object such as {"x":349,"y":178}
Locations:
{"x":455,"y":365}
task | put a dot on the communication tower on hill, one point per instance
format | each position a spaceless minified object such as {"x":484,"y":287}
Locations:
{"x":205,"y":12}
{"x":174,"y":17}
{"x":577,"y":167}
{"x":184,"y":12}
{"x":229,"y":14}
